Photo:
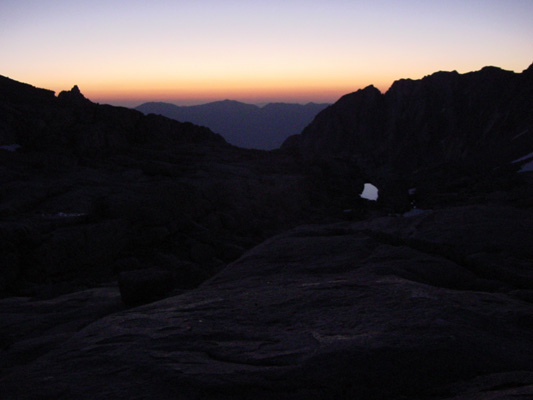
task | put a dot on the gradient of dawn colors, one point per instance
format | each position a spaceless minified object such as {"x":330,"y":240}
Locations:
{"x":128,"y":52}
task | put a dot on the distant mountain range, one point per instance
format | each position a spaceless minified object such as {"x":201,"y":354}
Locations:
{"x":241,"y":124}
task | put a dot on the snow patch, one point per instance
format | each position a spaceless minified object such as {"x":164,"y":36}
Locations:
{"x":63,"y":215}
{"x":520,"y":134}
{"x":522,"y":158}
{"x":10,"y":147}
{"x":370,"y":192}
{"x":413,"y":212}
{"x":527,"y":167}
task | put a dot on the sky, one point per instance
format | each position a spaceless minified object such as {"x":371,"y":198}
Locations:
{"x":126,"y":52}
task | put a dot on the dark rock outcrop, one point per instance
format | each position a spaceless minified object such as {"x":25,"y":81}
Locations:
{"x":32,"y":327}
{"x":389,"y":308}
{"x":74,"y":96}
{"x":444,"y":132}
{"x":37,"y":120}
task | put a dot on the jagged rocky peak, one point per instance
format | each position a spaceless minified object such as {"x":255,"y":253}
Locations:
{"x":424,"y":130}
{"x":444,"y":117}
{"x":76,"y":90}
{"x":72,"y":121}
{"x":369,"y":93}
{"x":74,"y":96}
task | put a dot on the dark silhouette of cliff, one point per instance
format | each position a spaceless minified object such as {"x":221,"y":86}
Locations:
{"x":36,"y":119}
{"x":242,"y":124}
{"x":435,"y":131}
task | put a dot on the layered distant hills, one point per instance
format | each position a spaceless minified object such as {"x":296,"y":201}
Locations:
{"x":241,"y":124}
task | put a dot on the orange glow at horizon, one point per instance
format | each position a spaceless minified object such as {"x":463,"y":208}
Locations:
{"x":249,"y":90}
{"x":281,"y":50}
{"x":194,"y":91}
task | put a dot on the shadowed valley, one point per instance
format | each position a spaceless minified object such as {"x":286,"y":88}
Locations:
{"x":243,"y":125}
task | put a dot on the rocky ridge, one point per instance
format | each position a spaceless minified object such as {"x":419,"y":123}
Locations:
{"x":37,"y":120}
{"x":430,"y":304}
{"x":446,"y":132}
{"x":94,"y":191}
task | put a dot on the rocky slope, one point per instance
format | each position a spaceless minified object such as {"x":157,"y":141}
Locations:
{"x":436,"y":306}
{"x":241,"y":124}
{"x":95,"y":190}
{"x":445,"y":132}
{"x":432,"y":304}
{"x":36,"y":120}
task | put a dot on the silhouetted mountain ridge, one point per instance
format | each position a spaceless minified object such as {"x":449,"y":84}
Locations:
{"x":72,"y":122}
{"x":244,"y":125}
{"x":421,"y":132}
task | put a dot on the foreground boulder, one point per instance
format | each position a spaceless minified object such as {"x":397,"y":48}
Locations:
{"x":144,"y":286}
{"x":395,"y":307}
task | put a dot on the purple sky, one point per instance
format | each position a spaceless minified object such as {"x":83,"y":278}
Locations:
{"x":128,"y":52}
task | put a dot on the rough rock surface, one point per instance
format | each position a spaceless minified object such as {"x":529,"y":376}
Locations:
{"x":433,"y":306}
{"x":31,"y":327}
